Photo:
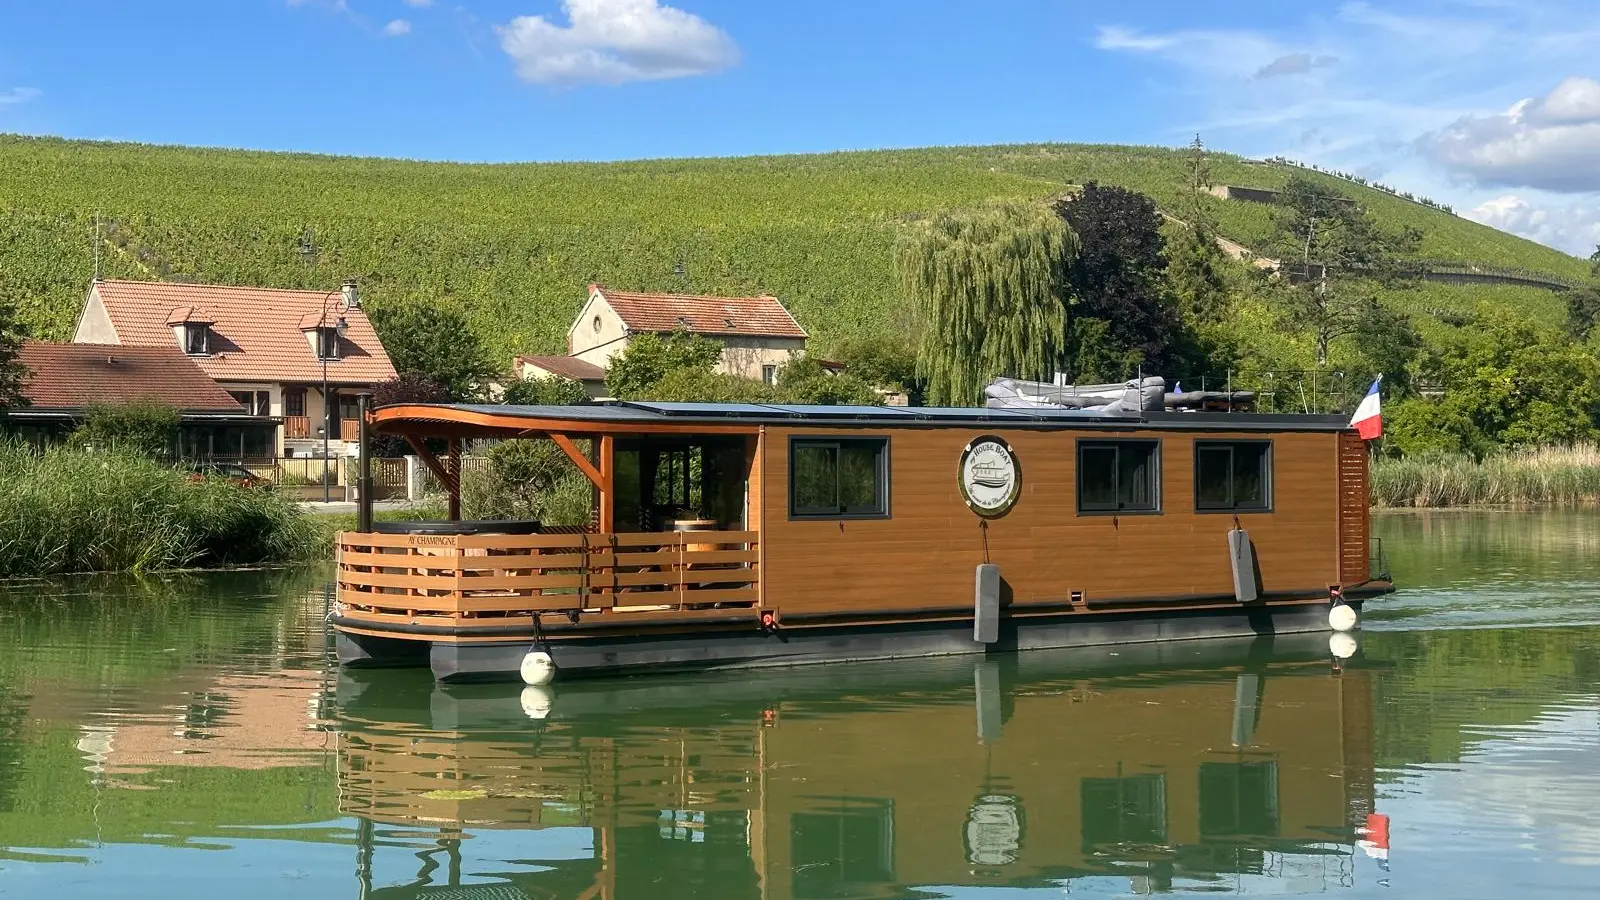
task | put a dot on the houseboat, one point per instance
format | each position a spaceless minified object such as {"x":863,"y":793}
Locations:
{"x":729,"y":535}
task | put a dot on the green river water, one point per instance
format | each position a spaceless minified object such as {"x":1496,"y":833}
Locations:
{"x":189,"y":737}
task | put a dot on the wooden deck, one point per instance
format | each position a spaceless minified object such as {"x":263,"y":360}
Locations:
{"x":493,"y":581}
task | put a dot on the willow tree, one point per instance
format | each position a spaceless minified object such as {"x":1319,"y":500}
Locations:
{"x":989,"y":287}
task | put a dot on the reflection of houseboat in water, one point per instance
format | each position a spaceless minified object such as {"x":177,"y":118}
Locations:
{"x":740,"y":535}
{"x":1199,"y":766}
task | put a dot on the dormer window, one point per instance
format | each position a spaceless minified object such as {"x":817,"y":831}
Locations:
{"x":192,"y":328}
{"x":325,"y":334}
{"x":197,"y":339}
{"x":328,"y":343}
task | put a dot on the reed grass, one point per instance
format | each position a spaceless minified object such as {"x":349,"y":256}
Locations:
{"x":1543,"y":475}
{"x":66,"y":510}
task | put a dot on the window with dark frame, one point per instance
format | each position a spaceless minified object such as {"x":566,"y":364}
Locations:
{"x":1119,"y":476}
{"x":294,"y":402}
{"x":839,"y":479}
{"x":1233,"y":476}
{"x":196,"y":339}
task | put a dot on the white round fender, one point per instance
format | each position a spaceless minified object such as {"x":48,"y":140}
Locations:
{"x":1342,"y":617}
{"x":537,"y":668}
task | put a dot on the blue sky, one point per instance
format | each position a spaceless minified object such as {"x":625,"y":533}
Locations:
{"x":1491,"y":105}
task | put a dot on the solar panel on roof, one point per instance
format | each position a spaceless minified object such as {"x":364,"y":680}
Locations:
{"x":839,"y":412}
{"x":701,"y":409}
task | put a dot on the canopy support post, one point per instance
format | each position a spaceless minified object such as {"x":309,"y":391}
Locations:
{"x":364,"y":470}
{"x":608,"y":502}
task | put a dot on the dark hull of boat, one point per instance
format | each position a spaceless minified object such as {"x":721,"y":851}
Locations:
{"x":740,"y":646}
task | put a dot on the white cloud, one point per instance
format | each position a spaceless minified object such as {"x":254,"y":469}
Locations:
{"x":397,"y":28}
{"x":1574,"y":228}
{"x":18,"y":96}
{"x":1385,"y":88}
{"x":1550,"y":142}
{"x":1220,"y":52}
{"x":616,"y":41}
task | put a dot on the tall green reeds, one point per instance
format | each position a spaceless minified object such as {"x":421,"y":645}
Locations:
{"x":65,"y":510}
{"x":1541,"y":475}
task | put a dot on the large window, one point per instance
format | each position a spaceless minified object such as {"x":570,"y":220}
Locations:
{"x":1119,"y":476}
{"x":1233,"y":476}
{"x":839,"y":479}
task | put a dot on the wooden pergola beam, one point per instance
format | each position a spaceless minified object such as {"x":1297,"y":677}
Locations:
{"x":601,"y":481}
{"x":432,"y":462}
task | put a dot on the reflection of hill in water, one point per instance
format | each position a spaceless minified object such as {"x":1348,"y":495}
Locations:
{"x":866,"y":781}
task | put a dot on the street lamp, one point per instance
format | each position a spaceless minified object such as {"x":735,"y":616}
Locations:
{"x":349,"y":299}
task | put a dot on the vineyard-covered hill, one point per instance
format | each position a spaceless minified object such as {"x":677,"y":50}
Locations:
{"x":515,"y":245}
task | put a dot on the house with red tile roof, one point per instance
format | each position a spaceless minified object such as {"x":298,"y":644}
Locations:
{"x":65,"y":380}
{"x":272,"y":350}
{"x":758,"y":335}
{"x":589,"y":376}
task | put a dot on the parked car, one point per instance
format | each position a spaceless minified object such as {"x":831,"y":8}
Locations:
{"x":234,"y":473}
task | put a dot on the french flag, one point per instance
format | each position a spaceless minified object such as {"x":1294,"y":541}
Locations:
{"x":1368,"y":420}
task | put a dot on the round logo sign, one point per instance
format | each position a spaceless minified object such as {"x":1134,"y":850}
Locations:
{"x":990,"y":477}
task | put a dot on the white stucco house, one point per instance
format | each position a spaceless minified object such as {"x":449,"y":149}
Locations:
{"x":758,"y":335}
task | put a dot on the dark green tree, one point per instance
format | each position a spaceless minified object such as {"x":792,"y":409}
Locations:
{"x":436,"y":342}
{"x":887,"y":361}
{"x":1388,"y":345}
{"x":988,"y":284}
{"x":13,"y":374}
{"x":1336,"y":259}
{"x":1118,"y":275}
{"x":1508,"y":381}
{"x":636,"y":373}
{"x":404,"y":389}
{"x":1594,"y":262}
{"x":1583,"y":309}
{"x":804,"y":380}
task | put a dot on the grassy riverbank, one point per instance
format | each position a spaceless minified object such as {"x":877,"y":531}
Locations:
{"x":1542,"y":475}
{"x":69,"y":511}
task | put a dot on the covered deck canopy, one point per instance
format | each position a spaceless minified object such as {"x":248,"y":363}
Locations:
{"x":603,"y":422}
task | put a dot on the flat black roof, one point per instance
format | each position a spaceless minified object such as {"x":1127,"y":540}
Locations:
{"x":647,"y":412}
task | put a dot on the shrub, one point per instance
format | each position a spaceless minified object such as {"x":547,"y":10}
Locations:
{"x":527,"y":479}
{"x":145,"y":427}
{"x":1543,"y":475}
{"x":65,"y":510}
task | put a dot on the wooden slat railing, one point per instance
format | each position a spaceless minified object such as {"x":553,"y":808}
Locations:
{"x":349,"y":430}
{"x":297,"y":426}
{"x":495,"y":580}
